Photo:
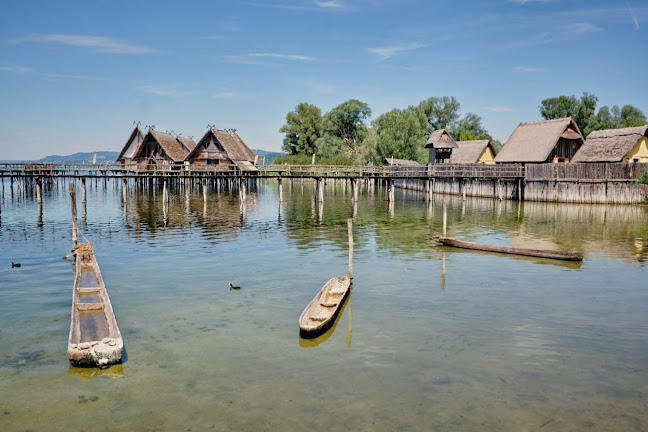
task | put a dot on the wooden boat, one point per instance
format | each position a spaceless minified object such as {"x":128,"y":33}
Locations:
{"x":322,"y":310}
{"x":541,"y":253}
{"x":94,"y":339}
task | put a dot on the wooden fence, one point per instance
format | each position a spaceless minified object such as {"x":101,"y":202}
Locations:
{"x":585,"y":171}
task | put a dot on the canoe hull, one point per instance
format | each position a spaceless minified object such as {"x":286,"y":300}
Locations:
{"x":320,"y":313}
{"x":539,"y":253}
{"x":95,"y":339}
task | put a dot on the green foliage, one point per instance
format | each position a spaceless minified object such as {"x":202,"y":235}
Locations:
{"x":441,"y":112}
{"x":583,"y":111}
{"x":293,"y":159}
{"x":303,"y":159}
{"x":642,"y":177}
{"x":303,"y":127}
{"x":344,"y":129}
{"x":401,"y":134}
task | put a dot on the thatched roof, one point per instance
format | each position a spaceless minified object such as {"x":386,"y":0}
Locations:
{"x":137,"y":133}
{"x":469,"y":151}
{"x":169,"y":144}
{"x":233,"y":145}
{"x":533,"y":142}
{"x":440,"y":139}
{"x":401,"y":162}
{"x":610,"y":145}
{"x":187,"y":144}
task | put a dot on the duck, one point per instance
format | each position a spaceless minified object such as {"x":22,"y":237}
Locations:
{"x":232,"y":287}
{"x":13,"y":264}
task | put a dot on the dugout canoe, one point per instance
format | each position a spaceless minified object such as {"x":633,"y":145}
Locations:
{"x":322,"y":310}
{"x":95,"y":340}
{"x":540,"y":253}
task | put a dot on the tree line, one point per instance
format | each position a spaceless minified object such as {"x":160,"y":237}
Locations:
{"x":345,"y":136}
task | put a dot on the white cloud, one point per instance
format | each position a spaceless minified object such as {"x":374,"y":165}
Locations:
{"x":20,"y":70}
{"x":228,"y":95}
{"x":498,"y":108}
{"x":261,"y":58}
{"x":99,"y":43}
{"x":330,"y":4}
{"x":390,"y":51}
{"x":530,"y":69}
{"x":163,"y":92}
{"x":578,"y":28}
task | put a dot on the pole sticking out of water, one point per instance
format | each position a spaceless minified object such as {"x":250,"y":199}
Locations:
{"x":204,"y":185}
{"x":280,"y":190}
{"x":445,"y":216}
{"x":39,"y":192}
{"x":350,"y":230}
{"x":83,"y":191}
{"x":74,"y":215}
{"x":124,"y":189}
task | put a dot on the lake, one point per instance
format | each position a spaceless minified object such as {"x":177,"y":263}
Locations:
{"x":432,"y":338}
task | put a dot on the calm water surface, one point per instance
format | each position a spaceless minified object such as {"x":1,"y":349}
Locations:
{"x":492,"y":343}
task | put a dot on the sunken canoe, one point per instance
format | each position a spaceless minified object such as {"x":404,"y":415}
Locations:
{"x":322,"y":310}
{"x":540,"y":253}
{"x":94,"y":339}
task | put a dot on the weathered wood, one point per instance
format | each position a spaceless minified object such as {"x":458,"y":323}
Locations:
{"x":320,"y":313}
{"x":74,"y":215}
{"x":350,"y":233}
{"x":95,"y":339}
{"x":540,"y":253}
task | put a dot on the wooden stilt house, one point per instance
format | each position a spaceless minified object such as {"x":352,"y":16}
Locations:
{"x":159,"y":151}
{"x":549,"y":141}
{"x":477,"y":151}
{"x":187,"y":144}
{"x":126,"y":155}
{"x":441,"y":145}
{"x":222,"y":147}
{"x":615,"y":145}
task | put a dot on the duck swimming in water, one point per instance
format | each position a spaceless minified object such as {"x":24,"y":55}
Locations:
{"x":232,"y":287}
{"x":13,"y":264}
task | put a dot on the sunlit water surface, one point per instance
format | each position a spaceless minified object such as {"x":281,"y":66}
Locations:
{"x":493,"y":342}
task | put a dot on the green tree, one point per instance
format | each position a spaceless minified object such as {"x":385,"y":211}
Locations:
{"x":581,"y":110}
{"x":441,"y":112}
{"x":344,"y":129}
{"x":632,"y":116}
{"x":401,"y":134}
{"x":303,"y":127}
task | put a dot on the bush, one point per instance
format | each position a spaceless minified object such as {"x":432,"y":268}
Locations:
{"x":642,"y":177}
{"x":301,"y":159}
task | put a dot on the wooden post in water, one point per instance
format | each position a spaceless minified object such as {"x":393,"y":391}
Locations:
{"x":280,"y":190}
{"x":74,"y":215}
{"x":165,"y":192}
{"x":39,"y":191}
{"x":83,"y":190}
{"x":204,"y":186}
{"x":320,"y":189}
{"x":463,"y":188}
{"x":124,"y":189}
{"x":350,"y":230}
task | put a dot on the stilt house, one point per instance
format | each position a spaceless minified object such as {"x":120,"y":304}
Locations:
{"x":441,"y":145}
{"x":477,"y":151}
{"x":159,"y":151}
{"x":549,"y":141}
{"x":187,"y":144}
{"x":126,"y":155}
{"x":220,"y":147}
{"x":615,"y":145}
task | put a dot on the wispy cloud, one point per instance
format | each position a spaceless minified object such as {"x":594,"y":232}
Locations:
{"x":330,"y":4}
{"x":498,"y":108}
{"x":163,"y":92}
{"x":262,"y":58}
{"x":530,"y":69}
{"x":98,"y":43}
{"x":229,"y":95}
{"x":392,"y":50}
{"x":635,"y":19}
{"x":22,"y":70}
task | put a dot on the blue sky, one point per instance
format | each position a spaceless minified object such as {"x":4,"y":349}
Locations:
{"x":75,"y":75}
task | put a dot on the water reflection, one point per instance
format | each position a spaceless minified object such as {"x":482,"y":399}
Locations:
{"x":113,"y":371}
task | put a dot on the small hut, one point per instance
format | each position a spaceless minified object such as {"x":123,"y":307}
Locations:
{"x":441,"y":145}
{"x":220,"y":147}
{"x":615,"y":145}
{"x":470,"y":152}
{"x":159,"y":151}
{"x":126,"y":155}
{"x":549,"y":141}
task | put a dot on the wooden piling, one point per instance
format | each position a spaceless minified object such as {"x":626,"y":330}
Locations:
{"x":350,"y":231}
{"x":83,"y":191}
{"x":280,"y":190}
{"x":39,"y":191}
{"x":204,"y":187}
{"x":74,"y":215}
{"x":124,"y":189}
{"x":445,"y":215}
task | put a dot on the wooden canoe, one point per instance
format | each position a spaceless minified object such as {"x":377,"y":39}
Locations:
{"x":322,"y":310}
{"x":94,"y":339}
{"x":540,"y":253}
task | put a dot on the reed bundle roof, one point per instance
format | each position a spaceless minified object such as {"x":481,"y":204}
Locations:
{"x":533,"y":142}
{"x":440,"y":139}
{"x":469,"y":151}
{"x":401,"y":162}
{"x":169,"y":144}
{"x":610,"y":145}
{"x":137,"y":133}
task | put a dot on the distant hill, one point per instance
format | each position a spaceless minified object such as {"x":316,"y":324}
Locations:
{"x":268,"y":155}
{"x":102,"y":157}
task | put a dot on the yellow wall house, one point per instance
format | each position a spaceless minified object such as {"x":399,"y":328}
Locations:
{"x":615,"y":145}
{"x":478,"y":151}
